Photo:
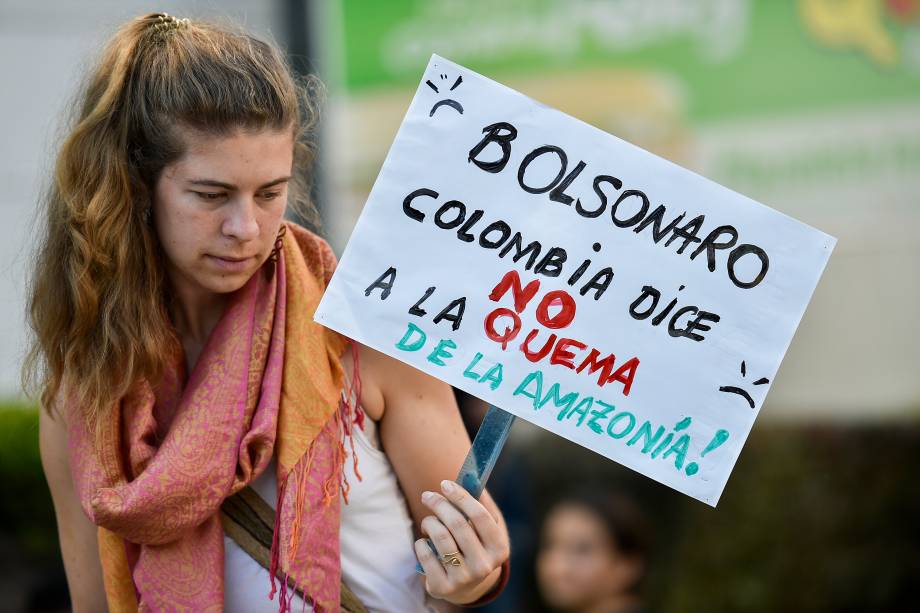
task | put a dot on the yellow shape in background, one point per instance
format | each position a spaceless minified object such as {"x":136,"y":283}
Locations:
{"x":851,"y":23}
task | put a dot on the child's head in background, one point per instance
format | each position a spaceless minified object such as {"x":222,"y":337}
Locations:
{"x":593,"y":552}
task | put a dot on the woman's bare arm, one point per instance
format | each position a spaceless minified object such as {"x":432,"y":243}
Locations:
{"x":425,"y":440}
{"x":77,"y":534}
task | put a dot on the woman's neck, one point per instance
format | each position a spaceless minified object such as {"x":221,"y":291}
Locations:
{"x":195,"y":315}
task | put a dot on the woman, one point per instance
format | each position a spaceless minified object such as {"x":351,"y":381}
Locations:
{"x":178,"y":363}
{"x":593,"y":553}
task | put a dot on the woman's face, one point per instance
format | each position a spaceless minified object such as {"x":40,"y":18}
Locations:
{"x":218,"y":209}
{"x":578,"y":564}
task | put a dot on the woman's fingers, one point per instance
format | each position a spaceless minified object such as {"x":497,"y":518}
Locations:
{"x":460,"y":529}
{"x":445,"y":577}
{"x":491,"y":535}
{"x":435,"y":573}
{"x":439,"y":534}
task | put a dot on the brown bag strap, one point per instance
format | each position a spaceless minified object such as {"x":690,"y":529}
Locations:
{"x":250,"y":521}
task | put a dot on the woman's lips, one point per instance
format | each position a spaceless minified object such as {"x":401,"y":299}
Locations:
{"x":230,"y":264}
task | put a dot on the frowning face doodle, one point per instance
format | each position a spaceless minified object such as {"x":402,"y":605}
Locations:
{"x":731,"y":389}
{"x":450,"y":102}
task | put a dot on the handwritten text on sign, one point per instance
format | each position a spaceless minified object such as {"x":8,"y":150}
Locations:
{"x":575,"y":280}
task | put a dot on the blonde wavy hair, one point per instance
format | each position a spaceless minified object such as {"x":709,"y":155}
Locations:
{"x":98,"y":291}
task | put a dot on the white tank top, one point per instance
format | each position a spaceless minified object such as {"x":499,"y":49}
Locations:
{"x":375,"y":535}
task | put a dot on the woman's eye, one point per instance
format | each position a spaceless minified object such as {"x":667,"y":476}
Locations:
{"x":271,"y":195}
{"x":210,"y":196}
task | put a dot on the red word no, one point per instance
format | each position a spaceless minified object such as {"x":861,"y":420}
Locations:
{"x":522,"y":296}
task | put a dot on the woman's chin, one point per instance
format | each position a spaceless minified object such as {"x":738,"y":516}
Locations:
{"x":227,"y":283}
{"x":224,"y":277}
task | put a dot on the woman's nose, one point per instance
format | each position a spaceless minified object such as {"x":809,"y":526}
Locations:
{"x":241,"y":220}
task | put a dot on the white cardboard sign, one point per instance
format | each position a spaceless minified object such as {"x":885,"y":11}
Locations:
{"x":575,"y":280}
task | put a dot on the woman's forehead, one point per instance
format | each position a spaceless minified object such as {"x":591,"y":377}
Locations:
{"x":241,"y":157}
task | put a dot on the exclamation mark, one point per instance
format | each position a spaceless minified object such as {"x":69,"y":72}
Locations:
{"x":720,"y":437}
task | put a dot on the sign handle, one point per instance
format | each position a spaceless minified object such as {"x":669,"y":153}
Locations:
{"x":479,"y":462}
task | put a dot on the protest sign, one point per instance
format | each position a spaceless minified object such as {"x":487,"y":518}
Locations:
{"x":574,"y":280}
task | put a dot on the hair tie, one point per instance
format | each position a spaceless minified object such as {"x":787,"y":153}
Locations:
{"x":167,"y":24}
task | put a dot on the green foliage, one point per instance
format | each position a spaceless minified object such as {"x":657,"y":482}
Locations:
{"x":26,"y":511}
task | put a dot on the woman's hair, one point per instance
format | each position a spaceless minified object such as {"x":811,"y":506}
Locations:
{"x":98,"y":291}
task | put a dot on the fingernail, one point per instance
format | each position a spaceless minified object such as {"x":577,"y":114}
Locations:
{"x":448,"y":486}
{"x":427,"y":496}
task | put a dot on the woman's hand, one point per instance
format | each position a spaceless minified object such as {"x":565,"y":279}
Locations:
{"x":464,"y":527}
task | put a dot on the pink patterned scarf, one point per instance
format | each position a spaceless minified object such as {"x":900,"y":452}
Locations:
{"x":268,"y":381}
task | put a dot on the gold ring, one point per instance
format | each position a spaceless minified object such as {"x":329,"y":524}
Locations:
{"x":452,"y":559}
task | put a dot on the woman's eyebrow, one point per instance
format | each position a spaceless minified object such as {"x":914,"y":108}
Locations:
{"x":230,"y":186}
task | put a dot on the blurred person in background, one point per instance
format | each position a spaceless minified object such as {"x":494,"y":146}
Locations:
{"x":593,"y":554}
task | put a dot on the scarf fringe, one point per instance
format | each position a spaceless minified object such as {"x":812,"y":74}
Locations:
{"x":350,"y":414}
{"x":346,"y":416}
{"x":276,"y":533}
